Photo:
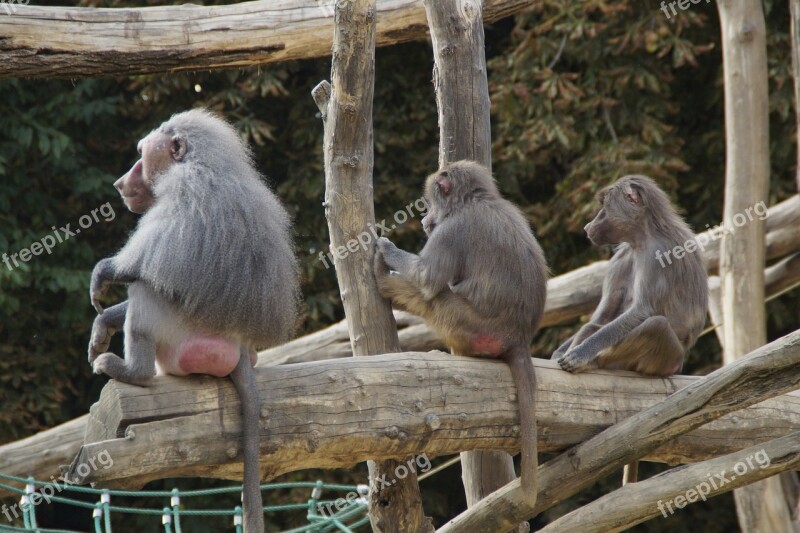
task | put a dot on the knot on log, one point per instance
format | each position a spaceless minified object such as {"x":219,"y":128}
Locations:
{"x":746,"y":33}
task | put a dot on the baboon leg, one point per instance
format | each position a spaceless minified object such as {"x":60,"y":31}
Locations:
{"x":651,"y":348}
{"x":104,"y":327}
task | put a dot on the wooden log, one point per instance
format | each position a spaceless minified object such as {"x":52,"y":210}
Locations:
{"x":41,"y":454}
{"x":334,"y":414}
{"x":346,"y":108}
{"x":778,"y":278}
{"x":765,"y":373}
{"x":667,"y":493}
{"x":70,"y":42}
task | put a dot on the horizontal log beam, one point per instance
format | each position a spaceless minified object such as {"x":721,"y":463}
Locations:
{"x":41,"y":454}
{"x":334,"y":414}
{"x":71,"y":42}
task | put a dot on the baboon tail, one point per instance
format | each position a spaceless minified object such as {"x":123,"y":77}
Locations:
{"x":519,"y":359}
{"x":244,"y":379}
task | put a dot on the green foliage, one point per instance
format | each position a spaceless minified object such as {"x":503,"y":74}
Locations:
{"x":50,"y":176}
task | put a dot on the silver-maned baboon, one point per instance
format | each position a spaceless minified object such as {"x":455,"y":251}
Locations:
{"x":211,"y":271}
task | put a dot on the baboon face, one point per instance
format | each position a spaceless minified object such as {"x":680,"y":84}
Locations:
{"x":158,"y":152}
{"x":620,"y":215}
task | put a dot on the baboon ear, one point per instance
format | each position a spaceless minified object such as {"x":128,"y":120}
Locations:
{"x":178,"y":147}
{"x":632,"y":194}
{"x":444,"y":184}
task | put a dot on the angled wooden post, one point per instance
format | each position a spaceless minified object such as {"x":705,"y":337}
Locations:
{"x":346,"y":108}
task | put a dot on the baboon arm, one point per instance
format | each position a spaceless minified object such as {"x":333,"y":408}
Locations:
{"x":561,"y":350}
{"x":610,"y":305}
{"x":114,"y":316}
{"x":611,"y":333}
{"x":431,"y":273}
{"x":104,"y":274}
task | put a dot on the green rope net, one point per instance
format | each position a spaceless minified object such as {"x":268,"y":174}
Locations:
{"x":340,"y":514}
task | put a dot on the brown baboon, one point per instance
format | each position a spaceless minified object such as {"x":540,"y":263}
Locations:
{"x":480,"y":281}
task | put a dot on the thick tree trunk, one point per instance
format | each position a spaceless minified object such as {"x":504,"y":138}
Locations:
{"x":462,"y":98}
{"x":70,"y":42}
{"x":761,"y":507}
{"x":348,"y":148}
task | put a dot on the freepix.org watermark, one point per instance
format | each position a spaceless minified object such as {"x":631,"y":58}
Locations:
{"x":59,"y":235}
{"x":666,"y":7}
{"x":412,"y":465}
{"x":33,"y":497}
{"x":715,"y":481}
{"x":701,"y":241}
{"x":363,"y":239}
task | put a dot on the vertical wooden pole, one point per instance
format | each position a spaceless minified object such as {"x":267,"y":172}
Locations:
{"x":794,"y":8}
{"x":760,"y":507}
{"x":462,"y":98}
{"x":346,"y":107}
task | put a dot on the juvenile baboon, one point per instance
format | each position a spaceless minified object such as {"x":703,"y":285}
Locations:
{"x":650,"y":312}
{"x":480,"y":281}
{"x":211,"y":270}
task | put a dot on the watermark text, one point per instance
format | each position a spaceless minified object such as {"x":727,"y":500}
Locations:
{"x":59,"y":235}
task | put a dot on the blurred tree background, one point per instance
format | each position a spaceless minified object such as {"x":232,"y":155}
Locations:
{"x":583,"y":91}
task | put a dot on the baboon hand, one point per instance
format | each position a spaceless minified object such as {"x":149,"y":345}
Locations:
{"x":577,"y":360}
{"x":389,"y":253}
{"x":99,"y":285}
{"x":96,"y":292}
